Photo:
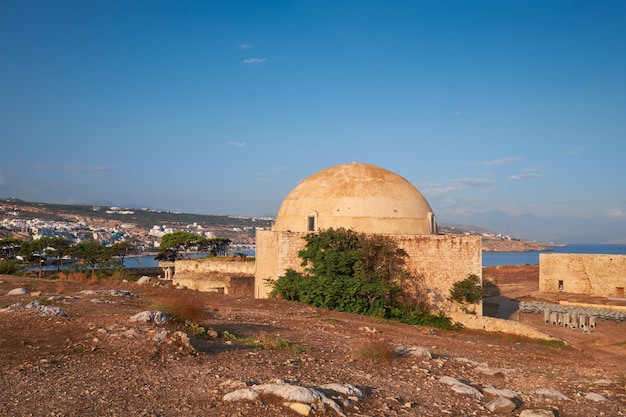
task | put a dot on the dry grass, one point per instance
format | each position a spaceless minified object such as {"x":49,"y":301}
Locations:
{"x":375,"y":351}
{"x":184,"y":307}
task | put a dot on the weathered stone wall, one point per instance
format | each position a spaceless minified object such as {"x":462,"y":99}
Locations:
{"x":594,"y":275}
{"x":237,"y":285}
{"x":229,"y":265}
{"x":230,"y":276}
{"x":438,"y":260}
{"x":442,"y":260}
{"x":276,"y":252}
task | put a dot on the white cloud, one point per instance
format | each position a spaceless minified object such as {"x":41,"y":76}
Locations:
{"x":455,"y":185}
{"x":616,"y":213}
{"x":254,"y":60}
{"x":245,"y":46}
{"x":472,"y":182}
{"x":497,"y":162}
{"x":237,"y":144}
{"x":519,"y":177}
{"x":575,"y":151}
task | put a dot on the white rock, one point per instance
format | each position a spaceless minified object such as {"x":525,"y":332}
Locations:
{"x":550,"y":393}
{"x":460,"y":387}
{"x":414,"y":351}
{"x":300,"y":408}
{"x":241,"y":395}
{"x":344,"y":389}
{"x":507,"y":393}
{"x":160,"y":336}
{"x":592,"y":396}
{"x":146,"y":280}
{"x":155,"y":316}
{"x":501,"y":405}
{"x":537,"y":413}
{"x":18,"y":291}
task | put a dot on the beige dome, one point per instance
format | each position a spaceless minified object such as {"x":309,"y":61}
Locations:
{"x":356,"y":196}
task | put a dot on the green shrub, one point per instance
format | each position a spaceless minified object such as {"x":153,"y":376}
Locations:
{"x":467,"y":291}
{"x":357,"y":273}
{"x":10,"y":267}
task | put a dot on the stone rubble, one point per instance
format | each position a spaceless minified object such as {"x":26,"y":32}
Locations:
{"x":35,"y":307}
{"x":150,"y":316}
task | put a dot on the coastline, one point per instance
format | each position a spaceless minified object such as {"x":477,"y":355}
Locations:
{"x":490,"y":244}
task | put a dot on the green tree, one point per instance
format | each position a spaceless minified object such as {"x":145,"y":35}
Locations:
{"x":93,"y":254}
{"x":122,"y":249}
{"x":10,"y":247}
{"x":175,"y":242}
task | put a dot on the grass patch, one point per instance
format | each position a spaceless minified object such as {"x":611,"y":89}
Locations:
{"x":329,"y":319}
{"x":622,"y":343}
{"x":555,"y":344}
{"x":593,"y":341}
{"x":375,"y":351}
{"x":276,"y":343}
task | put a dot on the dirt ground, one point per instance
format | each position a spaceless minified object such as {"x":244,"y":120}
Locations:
{"x":97,"y":362}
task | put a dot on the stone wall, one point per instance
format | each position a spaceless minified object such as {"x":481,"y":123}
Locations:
{"x":437,"y":260}
{"x":593,"y":275}
{"x":234,"y":276}
{"x":237,"y":285}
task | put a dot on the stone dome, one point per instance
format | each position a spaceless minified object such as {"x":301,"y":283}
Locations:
{"x":361,"y":197}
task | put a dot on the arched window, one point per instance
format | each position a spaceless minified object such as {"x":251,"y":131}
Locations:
{"x":433,"y":222}
{"x":311,"y":221}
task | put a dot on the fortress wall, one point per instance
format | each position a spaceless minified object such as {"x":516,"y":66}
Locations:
{"x":235,"y":285}
{"x":594,"y":275}
{"x":205,"y":265}
{"x":276,"y":252}
{"x":442,"y":260}
{"x":438,"y":260}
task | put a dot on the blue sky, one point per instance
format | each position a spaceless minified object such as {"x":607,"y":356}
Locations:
{"x":509,"y":115}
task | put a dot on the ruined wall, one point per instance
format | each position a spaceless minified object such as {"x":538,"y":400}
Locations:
{"x":594,"y":275}
{"x":232,"y":276}
{"x":226,"y":265}
{"x":237,"y":285}
{"x":438,"y":260}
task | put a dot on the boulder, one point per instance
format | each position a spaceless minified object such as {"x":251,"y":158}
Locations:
{"x":155,"y":316}
{"x":18,"y":291}
{"x":501,"y":405}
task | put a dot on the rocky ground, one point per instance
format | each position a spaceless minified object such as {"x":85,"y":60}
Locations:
{"x":96,"y":361}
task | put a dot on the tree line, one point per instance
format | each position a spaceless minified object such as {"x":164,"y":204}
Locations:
{"x":93,"y":255}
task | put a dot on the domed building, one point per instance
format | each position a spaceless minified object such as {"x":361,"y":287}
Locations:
{"x":356,"y":196}
{"x":371,"y":200}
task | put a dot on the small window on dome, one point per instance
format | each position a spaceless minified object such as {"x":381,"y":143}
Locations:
{"x":312,"y":221}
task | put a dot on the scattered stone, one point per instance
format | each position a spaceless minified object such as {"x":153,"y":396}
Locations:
{"x":537,"y":413}
{"x":243,"y":394}
{"x":155,"y":316}
{"x":36,"y":307}
{"x":550,"y":393}
{"x":507,"y":393}
{"x":18,"y":291}
{"x":113,"y":293}
{"x":185,"y":341}
{"x":501,"y":405}
{"x":145,"y":280}
{"x":460,"y":387}
{"x":160,"y":336}
{"x":300,"y":408}
{"x":290,"y":393}
{"x":414,"y":351}
{"x":592,"y":396}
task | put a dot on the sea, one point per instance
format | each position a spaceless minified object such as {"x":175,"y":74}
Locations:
{"x":532,"y":257}
{"x":489,"y":258}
